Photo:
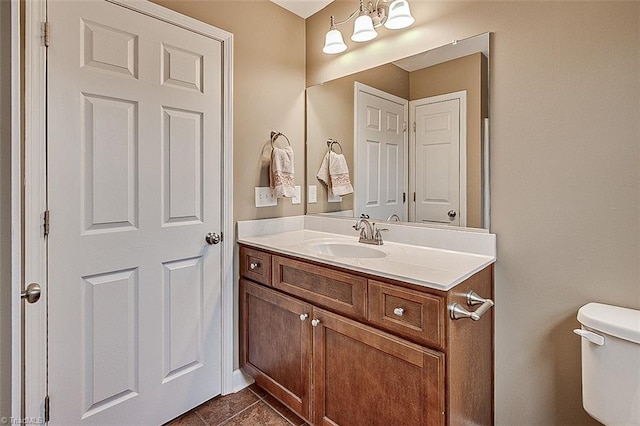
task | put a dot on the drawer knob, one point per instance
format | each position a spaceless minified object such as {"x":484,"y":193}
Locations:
{"x":315,"y":322}
{"x":254,"y":265}
{"x":304,"y":317}
{"x":398,"y":311}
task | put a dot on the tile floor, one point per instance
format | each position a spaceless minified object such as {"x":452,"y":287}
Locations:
{"x":249,"y":407}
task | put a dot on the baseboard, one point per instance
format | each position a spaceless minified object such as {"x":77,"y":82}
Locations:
{"x":240,"y":380}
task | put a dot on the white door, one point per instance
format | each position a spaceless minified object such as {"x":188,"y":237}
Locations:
{"x":134,"y":142}
{"x":380,"y":149}
{"x":437,"y":162}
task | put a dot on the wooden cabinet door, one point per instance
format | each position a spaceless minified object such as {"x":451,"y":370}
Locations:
{"x":366,"y":377}
{"x":275,"y":347}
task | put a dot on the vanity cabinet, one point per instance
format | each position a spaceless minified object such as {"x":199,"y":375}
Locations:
{"x":341,"y":347}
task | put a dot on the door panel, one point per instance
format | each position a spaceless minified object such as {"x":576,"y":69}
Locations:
{"x":438,"y":154}
{"x":276,"y":343}
{"x":135,"y":112}
{"x":380,"y":154}
{"x":363,"y":376}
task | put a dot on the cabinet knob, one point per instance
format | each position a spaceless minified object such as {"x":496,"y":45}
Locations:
{"x":315,"y":322}
{"x":398,"y":311}
{"x":254,"y":265}
{"x":304,"y":317}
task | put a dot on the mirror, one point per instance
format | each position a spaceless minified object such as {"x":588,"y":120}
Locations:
{"x":413,"y":134}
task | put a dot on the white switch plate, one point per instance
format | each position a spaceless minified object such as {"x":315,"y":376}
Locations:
{"x":313,"y":194}
{"x":296,"y":199}
{"x":264,"y":197}
{"x":333,"y":198}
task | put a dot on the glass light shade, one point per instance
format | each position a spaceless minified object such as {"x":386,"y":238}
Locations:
{"x":363,"y":29}
{"x":333,"y":42}
{"x":399,"y":15}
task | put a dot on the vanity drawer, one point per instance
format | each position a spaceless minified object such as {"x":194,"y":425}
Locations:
{"x":255,"y":265}
{"x":418,"y":316}
{"x":339,"y":291}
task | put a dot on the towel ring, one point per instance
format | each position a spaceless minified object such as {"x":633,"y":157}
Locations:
{"x":276,"y":135}
{"x":331,"y":142}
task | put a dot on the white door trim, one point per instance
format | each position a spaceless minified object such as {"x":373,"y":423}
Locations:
{"x":35,"y":203}
{"x":16,"y":215}
{"x":35,"y":188}
{"x":462,"y":96}
{"x":361,"y":87}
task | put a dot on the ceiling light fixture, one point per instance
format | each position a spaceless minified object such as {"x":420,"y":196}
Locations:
{"x":394,"y":17}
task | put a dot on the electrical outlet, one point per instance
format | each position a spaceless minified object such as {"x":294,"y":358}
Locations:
{"x":296,"y":199}
{"x":313,"y":194}
{"x":264,"y":197}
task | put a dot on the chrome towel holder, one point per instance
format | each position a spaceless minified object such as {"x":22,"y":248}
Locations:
{"x":276,"y":135}
{"x":457,"y":311}
{"x":331,"y":142}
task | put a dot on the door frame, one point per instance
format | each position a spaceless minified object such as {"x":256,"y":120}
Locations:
{"x":462,"y":151}
{"x":16,"y":213}
{"x":32,"y":394}
{"x":361,"y":87}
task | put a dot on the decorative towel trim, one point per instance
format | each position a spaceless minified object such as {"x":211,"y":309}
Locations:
{"x":281,"y":173}
{"x":334,"y":173}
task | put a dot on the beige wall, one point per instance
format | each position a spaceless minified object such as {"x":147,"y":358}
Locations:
{"x":5,"y":209}
{"x":268,"y":90}
{"x":565,"y":176}
{"x":460,"y":74}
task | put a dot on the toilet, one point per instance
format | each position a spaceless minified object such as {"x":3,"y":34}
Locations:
{"x":610,"y":363}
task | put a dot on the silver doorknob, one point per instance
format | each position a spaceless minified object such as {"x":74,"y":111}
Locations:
{"x":212,"y":238}
{"x":32,"y":293}
{"x":451,"y":213}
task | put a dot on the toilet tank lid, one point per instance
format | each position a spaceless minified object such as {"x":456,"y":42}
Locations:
{"x":612,"y":320}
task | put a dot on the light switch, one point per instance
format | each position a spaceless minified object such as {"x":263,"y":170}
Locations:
{"x":264,"y":197}
{"x":296,"y":199}
{"x":333,"y":198}
{"x":313,"y":194}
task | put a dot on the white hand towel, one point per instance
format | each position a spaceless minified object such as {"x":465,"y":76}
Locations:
{"x":323,"y":171}
{"x":334,"y":173}
{"x":281,"y":171}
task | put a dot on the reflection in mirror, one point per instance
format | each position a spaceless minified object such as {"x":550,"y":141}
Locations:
{"x":413,"y":133}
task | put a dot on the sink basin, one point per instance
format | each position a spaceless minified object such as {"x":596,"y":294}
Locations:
{"x":345,"y":250}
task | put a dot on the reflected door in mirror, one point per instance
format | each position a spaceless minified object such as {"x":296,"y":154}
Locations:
{"x":437,"y":162}
{"x":381,"y":153}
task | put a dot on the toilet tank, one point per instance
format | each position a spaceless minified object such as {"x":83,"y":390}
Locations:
{"x":610,"y":363}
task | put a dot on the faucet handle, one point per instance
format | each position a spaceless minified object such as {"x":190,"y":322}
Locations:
{"x":378,"y":236}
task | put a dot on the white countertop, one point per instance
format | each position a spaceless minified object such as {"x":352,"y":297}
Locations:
{"x":434,"y":267}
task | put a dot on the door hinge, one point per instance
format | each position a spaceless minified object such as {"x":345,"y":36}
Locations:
{"x":414,"y":197}
{"x":46,"y":223}
{"x":46,"y":33}
{"x":46,"y":408}
{"x":414,"y":127}
{"x":404,"y":126}
{"x":404,"y":197}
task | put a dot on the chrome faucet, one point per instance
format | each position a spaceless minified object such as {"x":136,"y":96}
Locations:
{"x":369,"y":233}
{"x":394,"y":217}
